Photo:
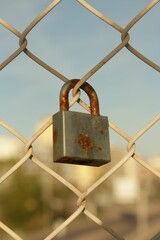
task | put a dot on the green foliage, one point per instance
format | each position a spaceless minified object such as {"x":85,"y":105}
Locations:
{"x":20,"y":198}
{"x":28,"y":201}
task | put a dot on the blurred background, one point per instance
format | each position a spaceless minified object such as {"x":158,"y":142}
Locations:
{"x":72,"y":40}
{"x":33,"y":203}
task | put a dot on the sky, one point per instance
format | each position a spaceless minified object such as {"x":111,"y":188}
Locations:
{"x":72,"y":40}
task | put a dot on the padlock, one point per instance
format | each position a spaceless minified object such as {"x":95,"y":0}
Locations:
{"x":80,"y":138}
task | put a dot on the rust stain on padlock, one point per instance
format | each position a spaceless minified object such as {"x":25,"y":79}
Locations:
{"x":102,"y":131}
{"x":85,"y":142}
{"x":55,"y":135}
{"x":94,"y":104}
{"x":98,"y":148}
{"x":64,"y":104}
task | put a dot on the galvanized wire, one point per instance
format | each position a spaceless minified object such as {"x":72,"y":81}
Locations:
{"x":28,"y":143}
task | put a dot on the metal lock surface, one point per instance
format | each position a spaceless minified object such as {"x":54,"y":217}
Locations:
{"x":80,"y":138}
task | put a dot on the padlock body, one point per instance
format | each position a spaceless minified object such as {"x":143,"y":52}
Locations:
{"x":80,"y":138}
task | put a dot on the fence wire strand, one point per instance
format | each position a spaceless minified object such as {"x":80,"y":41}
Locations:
{"x":28,"y":143}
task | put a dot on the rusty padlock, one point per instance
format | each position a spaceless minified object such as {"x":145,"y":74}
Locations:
{"x":80,"y":138}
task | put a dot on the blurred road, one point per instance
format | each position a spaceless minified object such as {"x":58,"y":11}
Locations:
{"x":121,"y":219}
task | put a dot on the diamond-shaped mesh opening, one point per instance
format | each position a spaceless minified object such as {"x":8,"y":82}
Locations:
{"x":85,"y":43}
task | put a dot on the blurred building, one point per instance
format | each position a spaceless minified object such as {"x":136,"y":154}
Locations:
{"x":126,"y":185}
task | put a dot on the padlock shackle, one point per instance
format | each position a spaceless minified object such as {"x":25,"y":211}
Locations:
{"x":86,"y":87}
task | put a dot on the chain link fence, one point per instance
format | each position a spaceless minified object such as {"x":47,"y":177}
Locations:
{"x":28,"y":143}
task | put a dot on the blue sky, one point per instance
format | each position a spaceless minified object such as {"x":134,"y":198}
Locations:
{"x":72,"y":40}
